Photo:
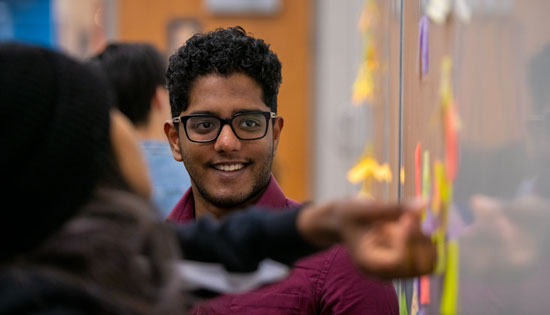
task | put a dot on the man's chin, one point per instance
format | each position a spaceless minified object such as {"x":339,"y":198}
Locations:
{"x":228,"y":202}
{"x":231,"y":197}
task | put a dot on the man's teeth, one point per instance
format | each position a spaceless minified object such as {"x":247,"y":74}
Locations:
{"x":229,"y":168}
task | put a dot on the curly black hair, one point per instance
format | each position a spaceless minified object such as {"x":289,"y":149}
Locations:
{"x":223,"y":52}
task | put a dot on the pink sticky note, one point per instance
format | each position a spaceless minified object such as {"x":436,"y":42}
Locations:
{"x":425,"y":290}
{"x":451,"y":142}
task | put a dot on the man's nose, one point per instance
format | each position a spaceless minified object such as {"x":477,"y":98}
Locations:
{"x":227,"y":140}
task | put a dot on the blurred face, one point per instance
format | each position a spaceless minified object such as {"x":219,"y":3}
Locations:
{"x":227,"y":173}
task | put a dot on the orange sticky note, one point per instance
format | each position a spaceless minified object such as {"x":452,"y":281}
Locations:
{"x":417,"y":168}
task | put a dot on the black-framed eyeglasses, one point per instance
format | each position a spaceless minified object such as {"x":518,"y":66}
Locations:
{"x":207,"y":128}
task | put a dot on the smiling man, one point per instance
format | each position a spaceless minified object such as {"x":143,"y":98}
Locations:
{"x":223,"y":89}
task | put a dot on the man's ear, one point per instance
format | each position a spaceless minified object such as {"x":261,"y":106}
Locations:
{"x":173,"y":138}
{"x":277,"y":128}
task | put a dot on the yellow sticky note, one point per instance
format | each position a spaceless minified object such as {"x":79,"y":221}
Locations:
{"x":437,"y":189}
{"x":382,"y":173}
{"x":445,"y":88}
{"x":362,"y":170}
{"x":439,"y":239}
{"x":449,"y":297}
{"x":372,"y":58}
{"x":445,"y":206}
{"x":368,"y":16}
{"x":426,"y":175}
{"x":369,"y":168}
{"x":363,"y":87}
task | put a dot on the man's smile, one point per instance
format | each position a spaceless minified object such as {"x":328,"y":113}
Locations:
{"x":229,"y":167}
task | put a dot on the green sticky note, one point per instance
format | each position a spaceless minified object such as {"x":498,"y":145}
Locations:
{"x":449,"y":298}
{"x":402,"y":303}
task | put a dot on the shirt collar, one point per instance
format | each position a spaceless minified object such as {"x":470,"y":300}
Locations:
{"x":273,"y":197}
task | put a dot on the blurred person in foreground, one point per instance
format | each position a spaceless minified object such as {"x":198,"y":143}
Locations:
{"x":136,"y":71}
{"x":82,"y":237}
{"x":223,"y":88}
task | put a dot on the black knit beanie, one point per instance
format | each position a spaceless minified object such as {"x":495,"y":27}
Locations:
{"x":54,"y":131}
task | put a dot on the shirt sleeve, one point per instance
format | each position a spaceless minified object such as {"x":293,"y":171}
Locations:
{"x":243,"y":239}
{"x":347,"y":291}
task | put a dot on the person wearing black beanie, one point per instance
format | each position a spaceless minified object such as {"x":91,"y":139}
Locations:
{"x":54,"y":123}
{"x":77,"y":216}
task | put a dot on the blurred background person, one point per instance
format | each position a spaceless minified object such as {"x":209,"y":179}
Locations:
{"x":136,"y":72}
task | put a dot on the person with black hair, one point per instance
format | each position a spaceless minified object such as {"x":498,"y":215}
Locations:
{"x":223,"y":88}
{"x":82,"y":237}
{"x":136,"y":72}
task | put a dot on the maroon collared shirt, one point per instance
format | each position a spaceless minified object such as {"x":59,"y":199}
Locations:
{"x":324,"y":283}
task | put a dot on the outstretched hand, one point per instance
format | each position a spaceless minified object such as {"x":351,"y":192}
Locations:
{"x":384,"y":240}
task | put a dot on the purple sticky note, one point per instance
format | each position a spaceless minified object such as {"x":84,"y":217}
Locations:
{"x":430,"y":223}
{"x":423,"y":44}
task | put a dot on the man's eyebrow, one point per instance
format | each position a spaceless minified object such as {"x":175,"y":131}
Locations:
{"x":245,"y":111}
{"x":239,"y":111}
{"x":203,"y":112}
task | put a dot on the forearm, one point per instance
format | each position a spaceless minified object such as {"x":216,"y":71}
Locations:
{"x":243,"y":239}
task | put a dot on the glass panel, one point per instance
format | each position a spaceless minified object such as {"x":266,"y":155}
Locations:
{"x":496,"y":61}
{"x":357,"y":99}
